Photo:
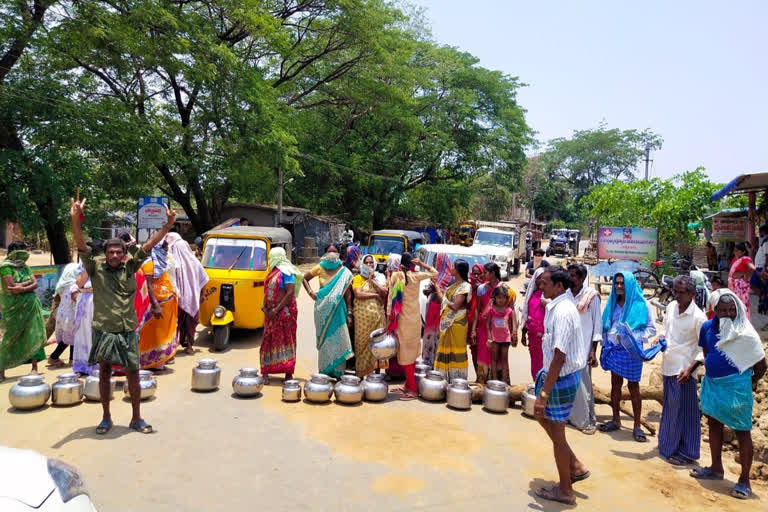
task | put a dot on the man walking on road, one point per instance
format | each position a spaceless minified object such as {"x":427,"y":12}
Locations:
{"x":114,"y":318}
{"x":565,"y":355}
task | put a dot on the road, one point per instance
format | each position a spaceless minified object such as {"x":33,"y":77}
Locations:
{"x":215,"y":452}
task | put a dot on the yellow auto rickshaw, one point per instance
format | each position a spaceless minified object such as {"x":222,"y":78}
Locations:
{"x":466,"y":234}
{"x":388,"y":241}
{"x":236,"y":261}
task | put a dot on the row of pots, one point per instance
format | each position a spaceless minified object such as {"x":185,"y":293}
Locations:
{"x":32,"y":392}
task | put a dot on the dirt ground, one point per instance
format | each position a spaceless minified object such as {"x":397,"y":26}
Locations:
{"x":216,"y":452}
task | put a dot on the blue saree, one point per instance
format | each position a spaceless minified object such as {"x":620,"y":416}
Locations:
{"x":334,"y":346}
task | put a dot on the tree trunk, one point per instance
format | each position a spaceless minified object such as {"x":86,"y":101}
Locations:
{"x":55,"y":231}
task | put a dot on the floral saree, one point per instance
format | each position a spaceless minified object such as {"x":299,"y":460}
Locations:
{"x":21,"y":317}
{"x":277,"y":353}
{"x":333,"y":344}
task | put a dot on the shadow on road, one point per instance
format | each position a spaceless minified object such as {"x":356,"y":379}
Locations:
{"x":546,"y":505}
{"x":89,"y":432}
{"x":13,"y":410}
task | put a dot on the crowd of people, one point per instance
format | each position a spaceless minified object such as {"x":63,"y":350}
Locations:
{"x":138,"y":306}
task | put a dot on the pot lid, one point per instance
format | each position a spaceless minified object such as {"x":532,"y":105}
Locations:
{"x":207,"y":364}
{"x":496,"y":385}
{"x":69,"y":377}
{"x":375,"y":377}
{"x":292,"y":383}
{"x":31,"y":380}
{"x":249,"y":372}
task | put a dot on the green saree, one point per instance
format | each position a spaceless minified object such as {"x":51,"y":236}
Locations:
{"x":21,"y":317}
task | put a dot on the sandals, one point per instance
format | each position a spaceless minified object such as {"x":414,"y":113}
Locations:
{"x":56,"y":363}
{"x":639,"y":435}
{"x":141,"y":426}
{"x":189,"y":350}
{"x":554,"y":494}
{"x":589,"y":431}
{"x":741,"y":491}
{"x":579,"y":478}
{"x":610,"y":426}
{"x":705,"y":474}
{"x":104,"y":427}
{"x":408,"y":395}
{"x":678,"y":461}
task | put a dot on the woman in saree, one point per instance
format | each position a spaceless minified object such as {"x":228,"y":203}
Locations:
{"x":476,"y":278}
{"x":83,"y":325}
{"x":332,"y":316}
{"x":277,"y":353}
{"x":21,"y":323}
{"x":480,"y":335}
{"x":452,"y":348}
{"x":158,"y":334}
{"x":431,"y":335}
{"x":739,"y":275}
{"x":370,"y":291}
{"x":405,"y":317}
{"x":64,"y":307}
{"x":190,"y":281}
{"x":532,"y":320}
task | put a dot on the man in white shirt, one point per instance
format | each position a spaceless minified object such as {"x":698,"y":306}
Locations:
{"x":587,"y":302}
{"x":565,"y":354}
{"x":680,"y":428}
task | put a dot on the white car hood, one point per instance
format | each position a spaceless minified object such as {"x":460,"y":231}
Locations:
{"x":495,"y":250}
{"x":24,"y":476}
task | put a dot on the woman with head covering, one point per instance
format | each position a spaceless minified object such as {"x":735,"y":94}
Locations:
{"x":370,"y":291}
{"x":158,"y":332}
{"x":626,"y":310}
{"x":22,"y":319}
{"x":83,"y":324}
{"x":277,"y":353}
{"x":739,"y":275}
{"x":452,"y":347}
{"x":65,"y":314}
{"x":332,"y":302}
{"x":484,"y":292}
{"x":405,"y":317}
{"x":431,"y":335}
{"x":190,"y":279}
{"x":393,"y":265}
{"x":532,"y":318}
{"x":352,"y":261}
{"x":476,"y":278}
{"x":735,"y":363}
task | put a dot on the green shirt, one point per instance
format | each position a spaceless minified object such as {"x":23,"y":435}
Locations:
{"x":113,"y":291}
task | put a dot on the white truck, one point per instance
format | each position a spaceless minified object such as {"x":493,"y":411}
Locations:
{"x":501,"y":241}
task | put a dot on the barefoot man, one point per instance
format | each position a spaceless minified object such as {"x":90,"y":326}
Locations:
{"x":114,"y":318}
{"x":565,"y":355}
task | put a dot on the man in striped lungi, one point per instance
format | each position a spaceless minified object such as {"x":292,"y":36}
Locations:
{"x":680,"y":428}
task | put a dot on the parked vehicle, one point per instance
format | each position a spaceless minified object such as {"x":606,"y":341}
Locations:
{"x":502,"y":246}
{"x":558,"y":244}
{"x":384,"y":242}
{"x":574,"y":238}
{"x":32,"y":481}
{"x":466,"y":233}
{"x":235,"y":260}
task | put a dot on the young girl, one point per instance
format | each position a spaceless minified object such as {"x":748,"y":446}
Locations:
{"x":501,"y":327}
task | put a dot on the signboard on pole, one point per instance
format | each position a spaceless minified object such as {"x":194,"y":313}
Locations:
{"x":620,"y":243}
{"x":150,"y":216}
{"x":729,"y":229}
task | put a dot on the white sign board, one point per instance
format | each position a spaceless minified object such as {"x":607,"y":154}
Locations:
{"x":150,"y":216}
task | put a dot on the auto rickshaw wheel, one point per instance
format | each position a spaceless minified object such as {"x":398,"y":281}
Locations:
{"x":220,"y":337}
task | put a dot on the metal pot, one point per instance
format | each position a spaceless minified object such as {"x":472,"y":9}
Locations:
{"x":206,"y":376}
{"x":459,"y":394}
{"x":248,"y":383}
{"x":375,"y":388}
{"x":529,"y":398}
{"x":383,"y":345}
{"x":147,"y":385}
{"x":432,"y":387}
{"x":31,"y":392}
{"x":92,"y":391}
{"x":291,"y":390}
{"x":318,"y":388}
{"x":349,"y":390}
{"x":67,"y":390}
{"x":495,"y":396}
{"x":421,"y":371}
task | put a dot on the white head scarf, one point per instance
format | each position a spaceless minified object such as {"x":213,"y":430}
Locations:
{"x":529,"y":293}
{"x":738,"y":339}
{"x":188,"y":275}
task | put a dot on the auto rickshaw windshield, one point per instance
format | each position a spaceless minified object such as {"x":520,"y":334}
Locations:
{"x":387,"y":244}
{"x":235,"y":253}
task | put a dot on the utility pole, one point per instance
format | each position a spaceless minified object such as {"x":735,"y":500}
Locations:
{"x":279,"y":197}
{"x":647,"y":159}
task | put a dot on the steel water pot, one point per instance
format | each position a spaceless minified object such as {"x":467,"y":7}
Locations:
{"x":147,"y":385}
{"x":459,"y":395}
{"x":349,"y":390}
{"x":433,"y":386}
{"x":495,"y":396}
{"x":529,"y":399}
{"x":206,"y":376}
{"x":91,"y":389}
{"x":31,"y":392}
{"x":291,"y":390}
{"x":383,"y":344}
{"x":318,"y":388}
{"x":421,"y":371}
{"x":67,"y":390}
{"x":375,"y":388}
{"x":248,"y":382}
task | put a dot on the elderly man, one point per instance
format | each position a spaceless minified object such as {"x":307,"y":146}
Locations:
{"x":565,"y":355}
{"x":734,"y":362}
{"x":115,"y":340}
{"x":680,"y":429}
{"x":587,"y":302}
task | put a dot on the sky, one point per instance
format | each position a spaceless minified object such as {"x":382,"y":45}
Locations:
{"x":694,"y":72}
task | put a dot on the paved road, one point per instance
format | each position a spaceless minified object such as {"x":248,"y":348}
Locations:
{"x":215,"y":452}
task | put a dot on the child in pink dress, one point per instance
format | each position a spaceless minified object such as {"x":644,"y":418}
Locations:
{"x":501,"y":326}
